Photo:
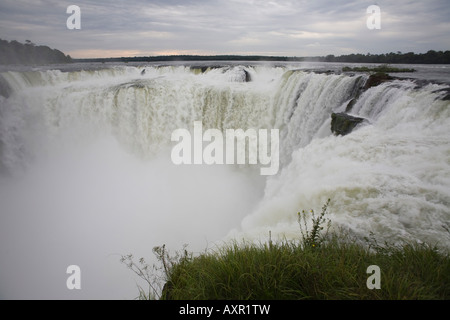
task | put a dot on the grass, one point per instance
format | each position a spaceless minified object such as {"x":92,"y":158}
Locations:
{"x":317,"y":266}
{"x":382,"y":69}
{"x":288,"y":271}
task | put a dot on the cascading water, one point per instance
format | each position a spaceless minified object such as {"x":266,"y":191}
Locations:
{"x":390,"y":178}
{"x":86,"y":173}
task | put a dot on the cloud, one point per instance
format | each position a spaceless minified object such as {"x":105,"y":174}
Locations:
{"x":287,"y":27}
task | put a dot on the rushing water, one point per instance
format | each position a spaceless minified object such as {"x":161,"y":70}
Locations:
{"x":86,"y":174}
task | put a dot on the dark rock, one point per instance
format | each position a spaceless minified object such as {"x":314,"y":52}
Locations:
{"x":200,"y":69}
{"x":5,"y":90}
{"x":350,"y":104}
{"x":356,"y":92}
{"x":166,"y":292}
{"x":444,"y":94}
{"x":343,"y":124}
{"x":248,"y":77}
{"x":376,"y":79}
{"x":322,"y":71}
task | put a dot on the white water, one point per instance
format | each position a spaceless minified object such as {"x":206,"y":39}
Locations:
{"x":87,"y":176}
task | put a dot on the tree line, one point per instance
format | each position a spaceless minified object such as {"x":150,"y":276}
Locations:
{"x":431,"y":57}
{"x":14,"y":52}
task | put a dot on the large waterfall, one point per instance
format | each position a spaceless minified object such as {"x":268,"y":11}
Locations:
{"x":86,"y":175}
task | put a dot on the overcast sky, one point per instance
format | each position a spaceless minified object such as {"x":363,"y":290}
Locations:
{"x":118,"y":28}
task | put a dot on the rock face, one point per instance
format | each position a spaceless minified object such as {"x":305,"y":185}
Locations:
{"x":376,"y":79}
{"x":343,"y":124}
{"x":248,"y":77}
{"x":5,"y":90}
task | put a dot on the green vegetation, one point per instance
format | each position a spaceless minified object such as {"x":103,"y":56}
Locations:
{"x":317,"y":266}
{"x":14,"y":52}
{"x":431,"y":56}
{"x":380,"y":69}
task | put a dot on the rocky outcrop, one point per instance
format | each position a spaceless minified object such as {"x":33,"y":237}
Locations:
{"x":248,"y":77}
{"x":201,"y":69}
{"x":443,"y":93}
{"x":5,"y":90}
{"x":372,"y":81}
{"x":343,"y":123}
{"x":376,"y":79}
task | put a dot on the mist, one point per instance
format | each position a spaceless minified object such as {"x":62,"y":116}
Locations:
{"x":89,"y":204}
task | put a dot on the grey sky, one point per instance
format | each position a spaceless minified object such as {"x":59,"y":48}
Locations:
{"x":285,"y":27}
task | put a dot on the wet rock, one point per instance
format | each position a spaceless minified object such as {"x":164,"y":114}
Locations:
{"x":343,"y":123}
{"x":376,"y":79}
{"x":350,"y":104}
{"x":5,"y":90}
{"x":248,"y":77}
{"x":200,"y":69}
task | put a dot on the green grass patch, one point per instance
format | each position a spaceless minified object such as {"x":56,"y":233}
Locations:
{"x":383,"y":68}
{"x":319,"y":265}
{"x":286,"y":271}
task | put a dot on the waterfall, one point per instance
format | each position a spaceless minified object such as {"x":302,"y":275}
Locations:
{"x":85,"y":170}
{"x":143,"y":110}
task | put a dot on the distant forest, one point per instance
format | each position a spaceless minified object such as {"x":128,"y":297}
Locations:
{"x":14,"y":52}
{"x":431,"y":57}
